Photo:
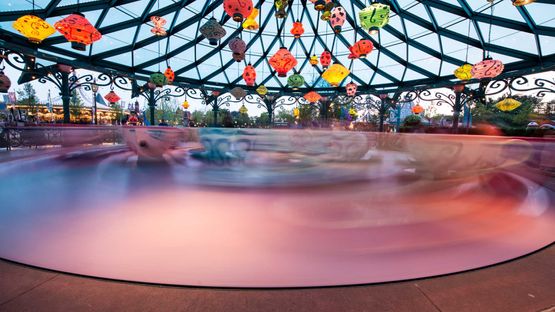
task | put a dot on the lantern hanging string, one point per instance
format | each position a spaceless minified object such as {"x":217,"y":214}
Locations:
{"x":490,"y":22}
{"x":467,"y":44}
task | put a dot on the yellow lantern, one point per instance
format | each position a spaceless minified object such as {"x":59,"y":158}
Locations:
{"x":262,"y":90}
{"x":508,"y":105}
{"x":243,"y":110}
{"x":313,"y":60}
{"x":250,"y":23}
{"x":185,"y":104}
{"x":33,"y":28}
{"x":522,"y":2}
{"x":296,"y":112}
{"x":464,"y":72}
{"x":335,"y":74}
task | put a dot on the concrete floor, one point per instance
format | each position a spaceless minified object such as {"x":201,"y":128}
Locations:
{"x":527,"y":284}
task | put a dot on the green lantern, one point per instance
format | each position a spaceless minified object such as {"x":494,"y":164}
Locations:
{"x":295,"y":81}
{"x":158,"y":79}
{"x":374,"y":17}
{"x":281,"y":8}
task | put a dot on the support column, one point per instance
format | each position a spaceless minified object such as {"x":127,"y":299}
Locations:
{"x":151,"y":105}
{"x":456,"y":111}
{"x":66,"y":96}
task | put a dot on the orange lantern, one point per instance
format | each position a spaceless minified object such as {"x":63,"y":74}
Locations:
{"x":312,"y":97}
{"x":112,"y":97}
{"x":158,"y":28}
{"x":325,"y":59}
{"x":170,"y":75}
{"x":313,"y":60}
{"x":417,"y":109}
{"x":238,"y":9}
{"x":297,"y":29}
{"x":283,"y":61}
{"x":249,"y":75}
{"x":77,"y":30}
{"x":361,"y":48}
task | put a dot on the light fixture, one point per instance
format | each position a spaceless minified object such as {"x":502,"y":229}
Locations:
{"x":170,"y":75}
{"x":295,"y":81}
{"x":312,"y":97}
{"x":337,"y":19}
{"x":213,"y":31}
{"x":243,"y":110}
{"x":250,"y":23}
{"x":238,"y":47}
{"x":508,"y":104}
{"x":33,"y":28}
{"x":335,"y":74}
{"x":522,"y":2}
{"x":313,"y":60}
{"x":281,"y":8}
{"x":297,"y":29}
{"x":112,"y":97}
{"x":262,"y":90}
{"x":238,"y":9}
{"x":78,"y":30}
{"x":249,"y":75}
{"x":283,"y":61}
{"x":158,"y":28}
{"x":374,"y":17}
{"x":417,"y":109}
{"x":185,"y":104}
{"x":488,"y":68}
{"x":361,"y":49}
{"x":238,"y":92}
{"x":464,"y":72}
{"x":325,"y":59}
{"x":158,"y":79}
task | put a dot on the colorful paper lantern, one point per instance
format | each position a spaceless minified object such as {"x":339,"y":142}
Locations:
{"x":262,"y":90}
{"x":250,"y":23}
{"x":295,"y":81}
{"x":249,"y":75}
{"x":351,"y":89}
{"x":238,"y":9}
{"x":243,"y":110}
{"x":5,"y":82}
{"x":158,"y":28}
{"x":522,"y":2}
{"x":508,"y":105}
{"x":325,"y":59}
{"x":281,"y":8}
{"x":488,"y":68}
{"x":312,"y":97}
{"x":417,"y":109}
{"x":313,"y":60}
{"x":325,"y":16}
{"x":158,"y":79}
{"x":335,"y":74}
{"x":464,"y":72}
{"x":213,"y":31}
{"x":112,"y":97}
{"x":185,"y":104}
{"x":338,"y":16}
{"x":374,"y":17}
{"x":361,"y":49}
{"x":297,"y":29}
{"x":458,"y":88}
{"x":170,"y":75}
{"x":283,"y":61}
{"x":33,"y":28}
{"x":319,"y":5}
{"x":77,"y":30}
{"x":238,"y":93}
{"x":237,"y":46}
{"x":238,"y":57}
{"x":296,"y":112}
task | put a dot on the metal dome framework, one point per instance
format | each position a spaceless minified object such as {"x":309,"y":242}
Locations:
{"x":420,"y":47}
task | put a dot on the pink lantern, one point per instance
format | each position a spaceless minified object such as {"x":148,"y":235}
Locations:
{"x":338,"y":16}
{"x":159,"y":23}
{"x":351,"y":89}
{"x":488,"y":68}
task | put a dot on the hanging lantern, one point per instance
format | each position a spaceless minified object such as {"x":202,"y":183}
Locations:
{"x":250,"y":23}
{"x":487,"y":68}
{"x":243,"y":110}
{"x":312,"y":97}
{"x":297,"y":29}
{"x":238,"y":9}
{"x":238,"y":57}
{"x":319,"y":5}
{"x":170,"y":75}
{"x":417,"y":109}
{"x":508,"y":105}
{"x":522,"y":2}
{"x":283,"y":61}
{"x":374,"y":17}
{"x":353,"y":112}
{"x":464,"y":72}
{"x":281,"y":8}
{"x":112,"y":97}
{"x":158,"y":28}
{"x":158,"y":79}
{"x":335,"y":74}
{"x":327,"y":11}
{"x":325,"y":59}
{"x":213,"y":31}
{"x":249,"y":75}
{"x":77,"y":30}
{"x":185,"y":104}
{"x":238,"y":92}
{"x":296,"y":112}
{"x":33,"y":28}
{"x":361,"y":49}
{"x":313,"y":60}
{"x":325,"y":16}
{"x":5,"y":82}
{"x":262,"y":90}
{"x":338,"y":16}
{"x":295,"y":81}
{"x":237,"y":46}
{"x":351,"y":89}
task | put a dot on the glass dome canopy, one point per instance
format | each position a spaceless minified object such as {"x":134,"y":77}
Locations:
{"x":424,"y":42}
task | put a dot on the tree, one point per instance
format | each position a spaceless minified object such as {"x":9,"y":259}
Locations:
{"x":28,"y":97}
{"x":75,"y":106}
{"x":263,"y":120}
{"x":508,"y":120}
{"x":284,"y":115}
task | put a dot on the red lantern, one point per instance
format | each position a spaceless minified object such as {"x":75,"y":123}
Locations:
{"x":158,"y":28}
{"x":77,"y":30}
{"x":325,"y":59}
{"x":170,"y":75}
{"x":283,"y":61}
{"x":112,"y":97}
{"x":351,"y":89}
{"x":361,"y":48}
{"x":249,"y":75}
{"x":488,"y":68}
{"x":458,"y":88}
{"x":312,"y":97}
{"x":238,"y":9}
{"x":297,"y":29}
{"x":417,"y":109}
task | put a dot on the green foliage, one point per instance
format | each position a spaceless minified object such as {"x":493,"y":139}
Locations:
{"x":518,"y":118}
{"x":75,"y":105}
{"x":284,"y":115}
{"x":28,"y":96}
{"x":412,"y":120}
{"x":170,"y":112}
{"x":263,"y":120}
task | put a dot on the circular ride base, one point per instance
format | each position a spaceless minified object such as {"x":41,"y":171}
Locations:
{"x":274,"y":217}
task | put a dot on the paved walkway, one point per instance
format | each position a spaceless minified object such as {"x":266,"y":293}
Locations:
{"x":527,"y":284}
